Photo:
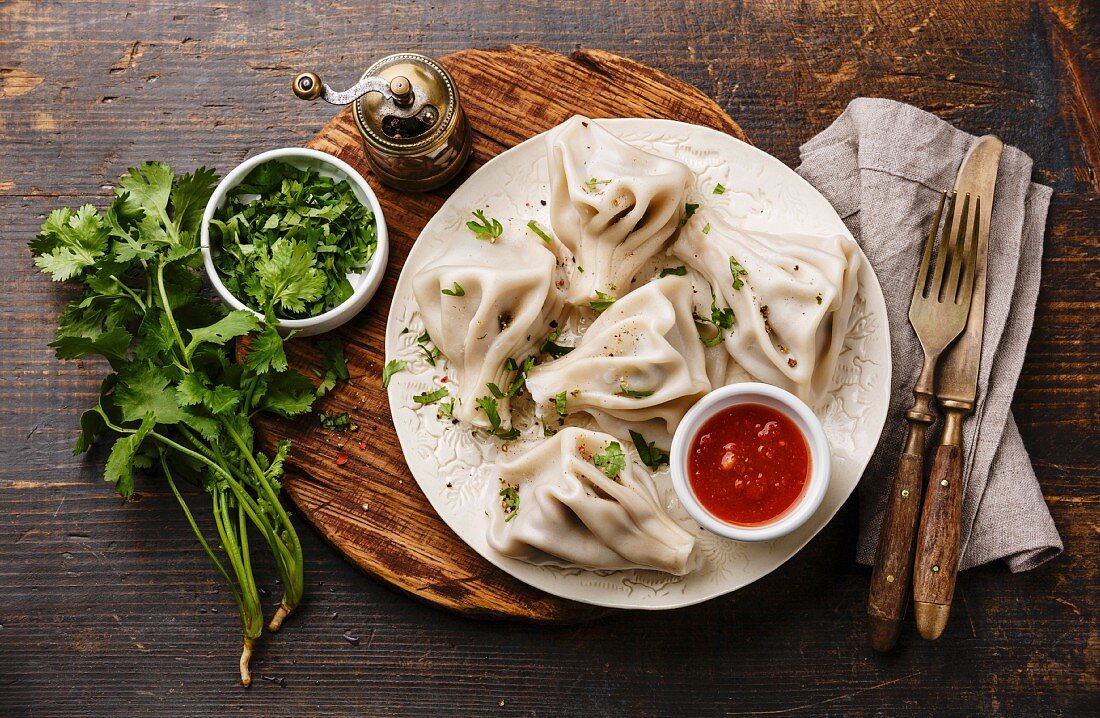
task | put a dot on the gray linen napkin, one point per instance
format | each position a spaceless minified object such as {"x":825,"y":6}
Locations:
{"x":882,"y":165}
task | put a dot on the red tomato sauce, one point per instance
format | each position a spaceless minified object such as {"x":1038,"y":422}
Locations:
{"x":748,"y":464}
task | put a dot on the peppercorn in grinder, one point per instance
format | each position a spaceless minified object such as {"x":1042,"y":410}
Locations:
{"x":408,"y":110}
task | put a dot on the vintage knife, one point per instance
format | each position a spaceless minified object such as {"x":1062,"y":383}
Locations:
{"x":938,"y":539}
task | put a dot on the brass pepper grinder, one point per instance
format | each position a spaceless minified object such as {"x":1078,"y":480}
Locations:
{"x":408,"y":111}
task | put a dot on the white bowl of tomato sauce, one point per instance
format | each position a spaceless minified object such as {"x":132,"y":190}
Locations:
{"x":750,"y":462}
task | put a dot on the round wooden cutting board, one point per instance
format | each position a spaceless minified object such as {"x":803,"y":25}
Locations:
{"x":370,"y":508}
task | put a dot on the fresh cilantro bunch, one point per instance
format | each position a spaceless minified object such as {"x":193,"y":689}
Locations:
{"x":175,"y":403}
{"x":285,"y":240}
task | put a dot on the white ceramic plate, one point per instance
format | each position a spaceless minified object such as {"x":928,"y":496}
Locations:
{"x":453,"y":464}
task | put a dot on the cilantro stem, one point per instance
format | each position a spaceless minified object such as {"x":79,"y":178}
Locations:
{"x":294,"y":572}
{"x":171,"y":318}
{"x":198,"y":533}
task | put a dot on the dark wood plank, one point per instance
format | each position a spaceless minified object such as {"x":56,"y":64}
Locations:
{"x":101,"y":601}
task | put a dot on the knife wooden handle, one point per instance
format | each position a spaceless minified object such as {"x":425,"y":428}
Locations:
{"x":890,"y":580}
{"x":937,"y":562}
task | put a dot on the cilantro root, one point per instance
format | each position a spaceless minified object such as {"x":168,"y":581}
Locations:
{"x":280,"y":615}
{"x":175,"y":403}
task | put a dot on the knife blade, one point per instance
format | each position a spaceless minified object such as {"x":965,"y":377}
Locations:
{"x":958,"y":378}
{"x":938,"y":538}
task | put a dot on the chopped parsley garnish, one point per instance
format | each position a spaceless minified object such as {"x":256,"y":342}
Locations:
{"x":484,"y":227}
{"x":534,"y":227}
{"x":393,"y":366}
{"x":592,"y":185}
{"x":625,"y":390}
{"x":430,"y":352}
{"x":509,"y":500}
{"x":335,"y":422}
{"x":712,"y":341}
{"x":456,"y":291}
{"x":648,"y":452}
{"x":495,"y":390}
{"x":334,"y":365}
{"x":446,"y":409}
{"x":431,"y":397}
{"x":721,"y":317}
{"x":612,"y":461}
{"x":602,"y":301}
{"x":559,"y":403}
{"x":521,"y":375}
{"x":689,"y":210}
{"x":719,"y":188}
{"x":489,"y":405}
{"x":737,"y":271}
{"x":550,"y":347}
{"x":706,"y":229}
{"x":678,"y":271}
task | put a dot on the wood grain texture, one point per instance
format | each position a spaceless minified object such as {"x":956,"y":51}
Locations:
{"x":107,"y":608}
{"x":936,"y":565}
{"x":888,"y":595}
{"x":371,"y":508}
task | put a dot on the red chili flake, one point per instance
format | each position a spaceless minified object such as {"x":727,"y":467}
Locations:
{"x":362,"y":444}
{"x":443,"y":379}
{"x":341,"y":458}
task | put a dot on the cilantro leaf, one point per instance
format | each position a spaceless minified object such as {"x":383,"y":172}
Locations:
{"x":509,"y":500}
{"x":458,"y":291}
{"x":392,"y":367}
{"x":485,"y":227}
{"x":612,"y":461}
{"x":719,"y":188}
{"x":143,"y":391}
{"x":70,"y":242}
{"x":678,"y":271}
{"x":602,"y":301}
{"x":560,"y":403}
{"x":235,"y":324}
{"x":334,"y":365}
{"x":289,"y":393}
{"x":648,"y":452}
{"x":335,"y":422}
{"x":431,"y":397}
{"x":689,"y":210}
{"x":120,"y":463}
{"x":737,"y":271}
{"x":266,"y":352}
{"x":625,"y":390}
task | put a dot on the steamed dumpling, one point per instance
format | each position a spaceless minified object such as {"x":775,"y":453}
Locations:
{"x":613,"y":205}
{"x":572,"y":512}
{"x":791,"y":296}
{"x":640,"y":364}
{"x":482,"y":304}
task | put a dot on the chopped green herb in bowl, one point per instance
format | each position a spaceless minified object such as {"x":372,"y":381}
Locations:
{"x":296,"y":235}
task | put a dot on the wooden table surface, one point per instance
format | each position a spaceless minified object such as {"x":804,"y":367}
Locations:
{"x":109,"y":608}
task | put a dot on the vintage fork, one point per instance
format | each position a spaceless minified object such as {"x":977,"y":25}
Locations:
{"x":938,"y":314}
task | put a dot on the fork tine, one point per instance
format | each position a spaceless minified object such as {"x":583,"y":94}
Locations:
{"x":936,"y":287}
{"x":958,"y":255}
{"x":966,"y":287}
{"x":922,"y":275}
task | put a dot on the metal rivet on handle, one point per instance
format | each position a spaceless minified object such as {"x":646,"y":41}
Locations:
{"x":943,"y":483}
{"x":889,"y":579}
{"x":935,"y":569}
{"x":905,"y":493}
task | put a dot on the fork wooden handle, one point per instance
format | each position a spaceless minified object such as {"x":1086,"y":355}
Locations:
{"x":890,"y":580}
{"x":937,"y":562}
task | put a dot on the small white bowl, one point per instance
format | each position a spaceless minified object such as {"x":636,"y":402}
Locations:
{"x":365,"y":284}
{"x":787,"y":404}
